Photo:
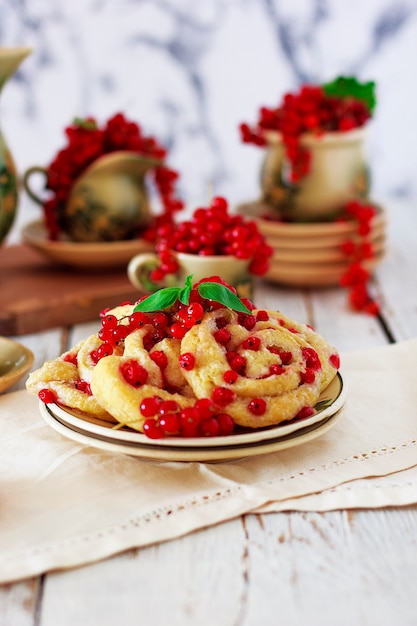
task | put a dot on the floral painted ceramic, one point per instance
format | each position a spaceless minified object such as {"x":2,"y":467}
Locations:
{"x":314,"y":160}
{"x":338,"y":172}
{"x":95,"y":185}
{"x":10,"y":59}
{"x":108,"y":202}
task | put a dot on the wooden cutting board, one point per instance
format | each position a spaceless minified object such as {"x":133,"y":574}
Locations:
{"x":36,"y":294}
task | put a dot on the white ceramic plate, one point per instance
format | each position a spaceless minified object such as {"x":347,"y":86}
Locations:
{"x":15,"y":361}
{"x":102,"y":434}
{"x":80,"y":254}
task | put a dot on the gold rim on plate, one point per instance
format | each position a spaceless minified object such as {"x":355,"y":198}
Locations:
{"x":101,"y":434}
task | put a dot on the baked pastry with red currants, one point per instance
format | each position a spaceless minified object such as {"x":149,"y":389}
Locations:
{"x":195,"y":361}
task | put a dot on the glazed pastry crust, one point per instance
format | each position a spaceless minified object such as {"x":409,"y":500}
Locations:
{"x":285,"y":365}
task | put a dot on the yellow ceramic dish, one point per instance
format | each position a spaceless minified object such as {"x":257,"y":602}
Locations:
{"x":312,"y":274}
{"x":79,"y":254}
{"x":15,"y":361}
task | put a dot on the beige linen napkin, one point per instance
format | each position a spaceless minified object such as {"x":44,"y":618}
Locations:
{"x":63,"y":504}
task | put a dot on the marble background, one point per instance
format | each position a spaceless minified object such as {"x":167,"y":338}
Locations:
{"x":190,"y":71}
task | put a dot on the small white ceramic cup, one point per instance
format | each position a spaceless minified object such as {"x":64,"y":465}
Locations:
{"x":234,"y":271}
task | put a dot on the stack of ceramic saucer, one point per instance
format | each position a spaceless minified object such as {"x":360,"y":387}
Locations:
{"x":311,"y":255}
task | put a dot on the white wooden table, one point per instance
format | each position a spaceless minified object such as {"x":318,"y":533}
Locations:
{"x":330,"y":569}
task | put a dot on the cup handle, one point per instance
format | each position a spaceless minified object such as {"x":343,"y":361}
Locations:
{"x":32,"y":170}
{"x":139,"y":269}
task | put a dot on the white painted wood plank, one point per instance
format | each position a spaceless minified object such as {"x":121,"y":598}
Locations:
{"x":82,"y":331}
{"x":342,"y":327}
{"x":334,"y":568}
{"x":195,"y":580}
{"x":291,"y":302}
{"x":302,"y":568}
{"x":396,"y":277}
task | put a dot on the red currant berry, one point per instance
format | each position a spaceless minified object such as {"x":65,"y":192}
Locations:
{"x":47,"y":396}
{"x":247,"y":321}
{"x":195,"y":311}
{"x":133,"y":373}
{"x":276,"y":369}
{"x":226,"y":424}
{"x":152,"y":429}
{"x":149,"y":407}
{"x":84,"y":387}
{"x":138,"y":320}
{"x":311,"y":358}
{"x":306,"y":411}
{"x":222,"y":336}
{"x":237,"y":362}
{"x":189,"y":421}
{"x":308,"y":377}
{"x":157,"y":275}
{"x":209,"y":427}
{"x":257,"y":406}
{"x":109,"y":321}
{"x":230,"y":377}
{"x":219,"y":202}
{"x":187,"y":361}
{"x":177,"y":330}
{"x":251,"y":343}
{"x":168,"y":406}
{"x":222,"y":396}
{"x":262,"y":316}
{"x":205,"y":407}
{"x":118,"y":334}
{"x":104,"y":350}
{"x":221,"y":322}
{"x":160,"y":320}
{"x":335,"y":361}
{"x":160,"y":358}
{"x":70,"y":358}
{"x":170,"y":424}
{"x":94,"y":356}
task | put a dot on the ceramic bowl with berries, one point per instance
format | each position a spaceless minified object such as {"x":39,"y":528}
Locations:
{"x":213,"y":242}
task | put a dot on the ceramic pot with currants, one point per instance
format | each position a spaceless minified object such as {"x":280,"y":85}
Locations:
{"x":214,"y":242}
{"x":95,"y":187}
{"x":315,"y":179}
{"x":314,"y":161}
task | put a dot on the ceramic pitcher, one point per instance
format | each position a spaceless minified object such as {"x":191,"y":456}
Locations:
{"x":10,"y":59}
{"x":338,"y":173}
{"x":108,"y":202}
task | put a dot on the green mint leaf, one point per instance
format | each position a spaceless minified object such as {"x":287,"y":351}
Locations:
{"x":220,"y":293}
{"x":162,"y":299}
{"x":184,"y":295}
{"x":350,"y":87}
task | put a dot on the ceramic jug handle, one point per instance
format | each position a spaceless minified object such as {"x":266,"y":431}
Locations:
{"x":139,"y":269}
{"x":32,"y":170}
